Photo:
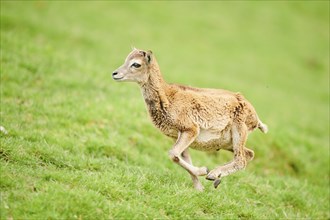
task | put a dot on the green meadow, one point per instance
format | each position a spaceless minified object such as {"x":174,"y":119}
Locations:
{"x":81,"y":146}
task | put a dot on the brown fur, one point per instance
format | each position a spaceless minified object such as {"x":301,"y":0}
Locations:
{"x":203,"y":119}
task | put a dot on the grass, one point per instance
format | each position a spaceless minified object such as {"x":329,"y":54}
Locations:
{"x":80,"y":146}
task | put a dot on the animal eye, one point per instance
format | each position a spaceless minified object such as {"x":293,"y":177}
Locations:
{"x":136,"y":65}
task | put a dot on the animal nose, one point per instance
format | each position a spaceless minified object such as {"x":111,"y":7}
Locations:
{"x":114,"y":74}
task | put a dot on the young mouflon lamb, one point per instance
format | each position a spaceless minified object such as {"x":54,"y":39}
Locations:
{"x":202,"y":119}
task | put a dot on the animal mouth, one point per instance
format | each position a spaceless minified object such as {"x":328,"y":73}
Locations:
{"x":117,"y":78}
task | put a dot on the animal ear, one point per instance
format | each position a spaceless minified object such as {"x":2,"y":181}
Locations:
{"x":143,"y":53}
{"x":149,"y":56}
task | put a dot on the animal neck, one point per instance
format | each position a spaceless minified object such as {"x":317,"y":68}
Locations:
{"x":154,"y":90}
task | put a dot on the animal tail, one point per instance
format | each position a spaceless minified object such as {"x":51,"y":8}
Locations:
{"x":263,"y":127}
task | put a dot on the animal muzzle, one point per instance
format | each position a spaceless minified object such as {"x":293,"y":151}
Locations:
{"x":117,"y":76}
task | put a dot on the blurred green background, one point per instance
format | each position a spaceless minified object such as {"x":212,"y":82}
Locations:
{"x":81,"y":146}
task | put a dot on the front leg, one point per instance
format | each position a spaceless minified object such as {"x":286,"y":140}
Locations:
{"x":185,"y":138}
{"x":197,"y":184}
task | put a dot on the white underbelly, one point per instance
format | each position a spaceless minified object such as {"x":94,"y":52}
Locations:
{"x":207,"y":135}
{"x":211,"y":140}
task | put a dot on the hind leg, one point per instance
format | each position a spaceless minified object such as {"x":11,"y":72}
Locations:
{"x":249,"y":154}
{"x":241,"y":155}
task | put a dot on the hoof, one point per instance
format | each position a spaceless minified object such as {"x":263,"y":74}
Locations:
{"x":216,"y":183}
{"x":210,"y":177}
{"x":217,"y":180}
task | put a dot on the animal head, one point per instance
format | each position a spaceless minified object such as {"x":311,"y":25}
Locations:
{"x":135,"y":68}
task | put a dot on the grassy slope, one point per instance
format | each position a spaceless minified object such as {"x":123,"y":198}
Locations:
{"x":82,"y":146}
